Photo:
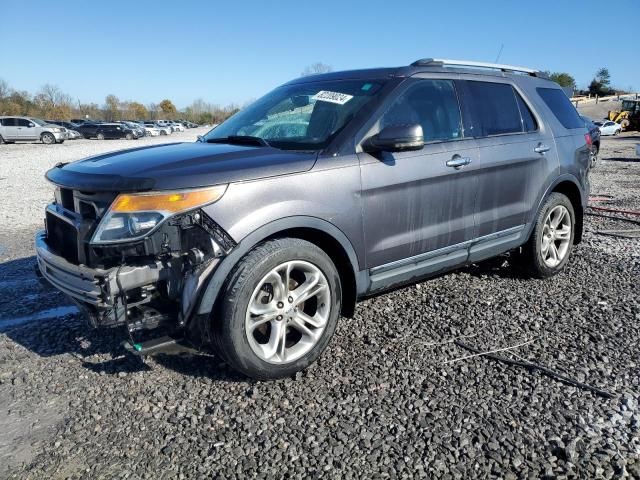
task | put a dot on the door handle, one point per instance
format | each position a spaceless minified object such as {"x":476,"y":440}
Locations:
{"x":458,"y":162}
{"x":541,"y":149}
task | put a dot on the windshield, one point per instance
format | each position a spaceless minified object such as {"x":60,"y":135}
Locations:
{"x":301,"y":116}
{"x":38,"y":121}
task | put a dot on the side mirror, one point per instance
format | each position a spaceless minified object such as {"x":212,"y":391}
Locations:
{"x":31,"y":125}
{"x":396,"y":138}
{"x":200,"y":139}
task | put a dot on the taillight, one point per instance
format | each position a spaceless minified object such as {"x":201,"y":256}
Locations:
{"x":587,"y":138}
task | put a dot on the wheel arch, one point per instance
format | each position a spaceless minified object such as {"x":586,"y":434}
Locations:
{"x":569,"y":187}
{"x":315,"y":230}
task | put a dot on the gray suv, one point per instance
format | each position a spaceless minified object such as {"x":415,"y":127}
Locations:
{"x":255,"y":239}
{"x":29,"y":129}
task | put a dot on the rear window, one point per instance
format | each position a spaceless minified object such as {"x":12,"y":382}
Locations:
{"x":495,"y":108}
{"x":561,"y":107}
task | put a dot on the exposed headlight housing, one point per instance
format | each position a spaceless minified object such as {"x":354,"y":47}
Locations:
{"x":133,"y":216}
{"x":56,"y":130}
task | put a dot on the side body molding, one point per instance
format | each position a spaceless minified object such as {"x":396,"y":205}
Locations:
{"x":220,"y":274}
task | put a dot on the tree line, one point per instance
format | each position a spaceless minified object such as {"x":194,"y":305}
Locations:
{"x":600,"y":84}
{"x":51,"y":103}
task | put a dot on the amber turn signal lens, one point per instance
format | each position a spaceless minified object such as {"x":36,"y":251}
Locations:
{"x":172,"y":202}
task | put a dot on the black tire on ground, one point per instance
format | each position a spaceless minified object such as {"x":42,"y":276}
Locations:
{"x":129,"y":136}
{"x":61,"y":141}
{"x":1,"y":140}
{"x":616,"y":133}
{"x":229,"y":331}
{"x":162,"y":132}
{"x":100,"y":136}
{"x":530,"y":259}
{"x":48,"y":138}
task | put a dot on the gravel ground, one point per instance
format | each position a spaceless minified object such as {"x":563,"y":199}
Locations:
{"x":380,"y":403}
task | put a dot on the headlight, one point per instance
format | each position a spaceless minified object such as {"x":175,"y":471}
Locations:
{"x":132,"y":216}
{"x":57,"y":130}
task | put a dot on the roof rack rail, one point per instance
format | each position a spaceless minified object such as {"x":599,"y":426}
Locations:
{"x":441,"y":62}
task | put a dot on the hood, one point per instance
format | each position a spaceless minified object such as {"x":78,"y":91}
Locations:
{"x":178,"y":166}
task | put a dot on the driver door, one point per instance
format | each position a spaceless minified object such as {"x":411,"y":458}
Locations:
{"x":418,"y":206}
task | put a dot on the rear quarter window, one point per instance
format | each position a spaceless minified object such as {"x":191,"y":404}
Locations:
{"x":561,"y":106}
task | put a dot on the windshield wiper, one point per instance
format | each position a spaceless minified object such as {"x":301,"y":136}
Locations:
{"x":240,"y":140}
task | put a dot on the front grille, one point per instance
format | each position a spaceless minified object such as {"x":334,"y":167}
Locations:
{"x":62,"y":237}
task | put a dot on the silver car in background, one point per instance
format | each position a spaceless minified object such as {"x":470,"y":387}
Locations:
{"x":29,"y":129}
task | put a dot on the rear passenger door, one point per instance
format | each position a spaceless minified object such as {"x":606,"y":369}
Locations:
{"x":516,"y":154}
{"x":417,"y":205}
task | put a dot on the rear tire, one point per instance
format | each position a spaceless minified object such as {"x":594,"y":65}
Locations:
{"x":1,"y":140}
{"x":548,"y":249}
{"x":265,"y":327}
{"x":100,"y":136}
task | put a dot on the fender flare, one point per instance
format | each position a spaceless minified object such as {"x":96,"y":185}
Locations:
{"x":566,"y":177}
{"x":220,"y":274}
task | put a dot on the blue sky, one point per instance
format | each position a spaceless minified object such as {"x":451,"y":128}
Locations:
{"x":235,"y":51}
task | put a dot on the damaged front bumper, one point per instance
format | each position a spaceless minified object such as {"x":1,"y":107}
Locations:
{"x":99,"y":293}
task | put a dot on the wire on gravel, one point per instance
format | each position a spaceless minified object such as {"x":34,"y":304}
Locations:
{"x":531,"y":366}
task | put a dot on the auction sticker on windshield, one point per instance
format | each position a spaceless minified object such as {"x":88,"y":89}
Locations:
{"x":332,"y":97}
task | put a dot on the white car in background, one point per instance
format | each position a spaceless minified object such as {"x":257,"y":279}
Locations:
{"x":151,"y":131}
{"x":607,"y":127}
{"x":163,"y":129}
{"x":177,"y":127}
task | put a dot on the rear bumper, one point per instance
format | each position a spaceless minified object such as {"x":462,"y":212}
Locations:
{"x":95,"y":287}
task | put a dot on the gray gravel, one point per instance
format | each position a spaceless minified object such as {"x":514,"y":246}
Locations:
{"x":379,"y":404}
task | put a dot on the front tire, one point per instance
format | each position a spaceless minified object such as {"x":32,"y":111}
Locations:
{"x":48,"y":138}
{"x":100,"y":136}
{"x":129,"y":136}
{"x":548,"y":249}
{"x":278,"y":309}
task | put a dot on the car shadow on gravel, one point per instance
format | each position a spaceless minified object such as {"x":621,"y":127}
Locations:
{"x":493,"y":267}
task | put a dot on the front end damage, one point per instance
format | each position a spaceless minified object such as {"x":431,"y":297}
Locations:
{"x":149,"y":285}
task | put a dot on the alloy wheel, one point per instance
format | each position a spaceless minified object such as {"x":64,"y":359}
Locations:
{"x":556,"y":235}
{"x":288,"y":312}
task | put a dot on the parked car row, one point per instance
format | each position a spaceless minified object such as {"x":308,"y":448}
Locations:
{"x":14,"y":129}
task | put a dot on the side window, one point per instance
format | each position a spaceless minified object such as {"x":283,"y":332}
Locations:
{"x":529,"y":123}
{"x":495,"y":108}
{"x":561,"y":107}
{"x":430,"y":103}
{"x":22,"y":122}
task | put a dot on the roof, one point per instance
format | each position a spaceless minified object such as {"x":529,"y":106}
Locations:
{"x":426,"y":65}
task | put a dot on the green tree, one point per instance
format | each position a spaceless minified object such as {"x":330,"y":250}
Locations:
{"x":167,"y":108}
{"x":563,"y":79}
{"x":603,"y":77}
